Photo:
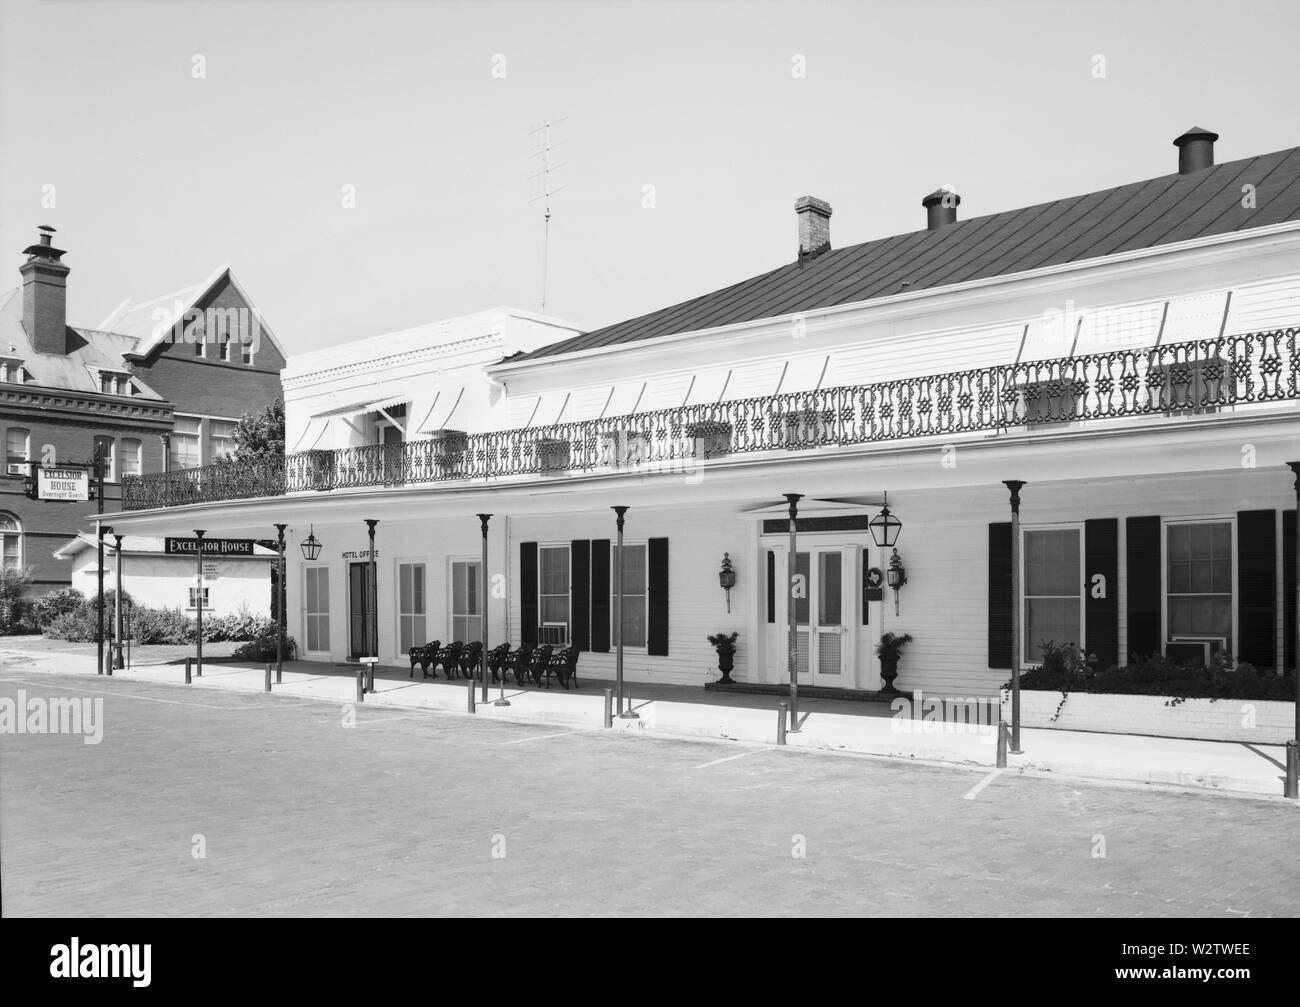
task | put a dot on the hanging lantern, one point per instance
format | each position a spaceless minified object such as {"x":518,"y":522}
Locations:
{"x":311,"y":547}
{"x":885,"y":527}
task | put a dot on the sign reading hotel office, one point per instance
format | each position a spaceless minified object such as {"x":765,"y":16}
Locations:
{"x":211,"y":546}
{"x":62,"y":484}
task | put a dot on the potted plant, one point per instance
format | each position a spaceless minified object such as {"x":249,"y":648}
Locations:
{"x":889,"y":650}
{"x":725,"y":645}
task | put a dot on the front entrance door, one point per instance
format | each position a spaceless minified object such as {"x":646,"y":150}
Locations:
{"x":820,"y":617}
{"x":360,"y":593}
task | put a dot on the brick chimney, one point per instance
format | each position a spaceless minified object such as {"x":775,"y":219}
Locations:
{"x":814,"y":226}
{"x":45,"y":296}
{"x":1195,"y":150}
{"x":941,"y":208}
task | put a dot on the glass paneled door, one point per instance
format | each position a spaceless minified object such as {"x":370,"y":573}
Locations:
{"x":820,"y":617}
{"x":360,"y":593}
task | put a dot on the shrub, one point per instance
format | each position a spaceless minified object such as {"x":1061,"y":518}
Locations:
{"x":15,"y":606}
{"x":262,"y":647}
{"x":1157,"y":676}
{"x":1066,"y":662}
{"x":161,"y":625}
{"x":56,"y":603}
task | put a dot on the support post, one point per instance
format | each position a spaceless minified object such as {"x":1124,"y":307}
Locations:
{"x":486,"y":595}
{"x":625,"y":711}
{"x":267,"y":686}
{"x":372,"y":631}
{"x":188,"y":670}
{"x":1002,"y":744}
{"x":117,"y":663}
{"x":780,"y":724}
{"x":281,"y":593}
{"x":791,"y":614}
{"x":1014,"y":485}
{"x":609,"y":707}
{"x":198,"y":606}
{"x":1292,"y":761}
{"x":471,"y":683}
{"x":99,"y":496}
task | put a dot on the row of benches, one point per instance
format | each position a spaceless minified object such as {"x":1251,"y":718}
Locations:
{"x":526,"y":662}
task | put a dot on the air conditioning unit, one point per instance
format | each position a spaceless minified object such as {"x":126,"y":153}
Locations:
{"x":18,"y":469}
{"x":1198,"y":649}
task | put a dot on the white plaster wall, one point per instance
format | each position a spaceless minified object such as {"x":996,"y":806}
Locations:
{"x":164,"y":582}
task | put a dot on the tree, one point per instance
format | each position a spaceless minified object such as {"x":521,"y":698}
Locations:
{"x":260,"y":435}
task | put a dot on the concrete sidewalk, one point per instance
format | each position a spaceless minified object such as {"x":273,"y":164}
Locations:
{"x":683,"y":712}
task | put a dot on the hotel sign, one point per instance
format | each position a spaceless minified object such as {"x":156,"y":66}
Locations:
{"x":211,"y":546}
{"x":62,"y":483}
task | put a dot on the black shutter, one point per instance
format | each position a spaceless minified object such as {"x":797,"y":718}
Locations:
{"x":1257,"y":587}
{"x":1101,"y":557}
{"x":579,"y":593}
{"x":528,"y":592}
{"x":657,"y":622}
{"x":771,"y":586}
{"x":1000,"y":594}
{"x":1288,"y":586}
{"x":600,"y":595}
{"x":1142,"y":567}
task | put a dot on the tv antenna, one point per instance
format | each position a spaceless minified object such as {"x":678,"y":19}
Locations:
{"x":547,"y":192}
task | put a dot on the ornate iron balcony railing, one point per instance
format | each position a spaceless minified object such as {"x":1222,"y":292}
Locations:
{"x":1203,"y":376}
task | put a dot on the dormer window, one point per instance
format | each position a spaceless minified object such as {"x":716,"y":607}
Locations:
{"x":115,"y":383}
{"x":11,"y":370}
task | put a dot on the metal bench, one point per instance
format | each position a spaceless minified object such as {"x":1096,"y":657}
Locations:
{"x":564,"y":665}
{"x":423,"y":656}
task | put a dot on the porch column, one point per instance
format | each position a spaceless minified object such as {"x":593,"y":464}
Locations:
{"x":198,"y":605}
{"x":281,"y":592}
{"x":792,"y":568}
{"x":485,"y":595}
{"x":1014,"y":486}
{"x":117,"y":664}
{"x":624,"y":713}
{"x":1293,"y":748}
{"x":373,"y":629}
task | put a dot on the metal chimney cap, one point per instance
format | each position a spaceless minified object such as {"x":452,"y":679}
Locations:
{"x":1195,"y":133}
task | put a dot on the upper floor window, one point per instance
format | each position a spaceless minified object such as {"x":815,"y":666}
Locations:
{"x":221,"y":439}
{"x":389,"y":425}
{"x":11,"y":369}
{"x":105,"y":448}
{"x":11,"y":542}
{"x":246,"y":353}
{"x":18,"y":442}
{"x":131,"y":451}
{"x":226,"y":349}
{"x":183,"y":452}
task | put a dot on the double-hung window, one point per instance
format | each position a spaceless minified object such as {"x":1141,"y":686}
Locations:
{"x":18,"y":442}
{"x":221,"y":439}
{"x":634,"y":595}
{"x":553,"y":595}
{"x":1053,"y":579}
{"x":184,"y":450}
{"x":11,"y":543}
{"x":466,"y":601}
{"x":1198,"y":583}
{"x":410,"y":606}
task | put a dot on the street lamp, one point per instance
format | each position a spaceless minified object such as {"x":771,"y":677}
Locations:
{"x":280,"y":594}
{"x":117,"y":611}
{"x":198,"y":604}
{"x":310,"y":546}
{"x":373,"y":599}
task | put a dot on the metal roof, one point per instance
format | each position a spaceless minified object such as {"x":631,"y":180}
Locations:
{"x":1158,"y":211}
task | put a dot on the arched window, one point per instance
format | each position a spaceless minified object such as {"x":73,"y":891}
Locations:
{"x":11,"y":542}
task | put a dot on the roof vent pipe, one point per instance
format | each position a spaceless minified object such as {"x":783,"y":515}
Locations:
{"x":1195,"y":150}
{"x":941,"y":207}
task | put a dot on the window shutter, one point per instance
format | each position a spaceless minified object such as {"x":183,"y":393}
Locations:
{"x":1101,"y":557}
{"x":528,"y":592}
{"x":1257,"y":587}
{"x":1000,"y":594}
{"x":579,"y":593}
{"x":1142,"y":566}
{"x":1288,"y":586}
{"x":771,"y":585}
{"x":600,"y":625}
{"x":657,"y":622}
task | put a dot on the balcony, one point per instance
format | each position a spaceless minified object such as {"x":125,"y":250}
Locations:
{"x":1178,"y":380}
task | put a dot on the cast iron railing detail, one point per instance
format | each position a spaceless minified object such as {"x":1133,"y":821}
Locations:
{"x":1181,"y":379}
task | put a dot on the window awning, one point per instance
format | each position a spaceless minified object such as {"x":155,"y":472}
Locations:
{"x":357,"y":408}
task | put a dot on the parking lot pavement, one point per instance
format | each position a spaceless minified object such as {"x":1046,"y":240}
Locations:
{"x":221,"y":803}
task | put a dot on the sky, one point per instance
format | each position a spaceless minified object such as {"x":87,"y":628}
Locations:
{"x":365,"y":167}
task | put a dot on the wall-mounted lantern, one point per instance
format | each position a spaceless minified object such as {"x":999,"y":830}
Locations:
{"x":896,"y":577}
{"x":727,"y":577}
{"x":885,"y":527}
{"x":310,"y":546}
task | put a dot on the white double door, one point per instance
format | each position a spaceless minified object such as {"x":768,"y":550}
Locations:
{"x":824,"y":616}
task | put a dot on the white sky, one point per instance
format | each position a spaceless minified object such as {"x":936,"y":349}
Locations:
{"x":159,"y":176}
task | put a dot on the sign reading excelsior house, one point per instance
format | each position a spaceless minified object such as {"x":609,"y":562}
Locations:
{"x":62,"y":484}
{"x":211,"y":546}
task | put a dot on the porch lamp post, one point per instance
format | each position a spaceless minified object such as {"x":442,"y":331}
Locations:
{"x":791,"y":615}
{"x":373,"y":628}
{"x":117,"y":611}
{"x":629,"y":713}
{"x":198,"y":604}
{"x":1293,"y":746}
{"x":1014,"y":486}
{"x":99,"y":497}
{"x":104,"y":529}
{"x":280,"y":593}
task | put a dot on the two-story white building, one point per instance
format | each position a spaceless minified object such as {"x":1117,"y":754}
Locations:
{"x":1130,"y":354}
